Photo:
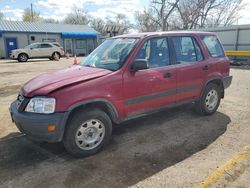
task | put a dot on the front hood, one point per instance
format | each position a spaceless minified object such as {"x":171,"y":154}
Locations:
{"x":48,"y":82}
{"x":17,"y":50}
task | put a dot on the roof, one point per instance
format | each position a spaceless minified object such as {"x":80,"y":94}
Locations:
{"x":39,"y":27}
{"x":140,"y":35}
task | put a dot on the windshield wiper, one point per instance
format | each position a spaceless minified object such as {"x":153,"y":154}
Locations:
{"x":89,"y":66}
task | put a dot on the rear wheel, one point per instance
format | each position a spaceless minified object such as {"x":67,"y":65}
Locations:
{"x":210,"y":100}
{"x":22,"y":57}
{"x":54,"y":54}
{"x":87,"y":132}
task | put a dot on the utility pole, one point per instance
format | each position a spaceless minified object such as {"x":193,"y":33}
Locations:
{"x":31,"y":10}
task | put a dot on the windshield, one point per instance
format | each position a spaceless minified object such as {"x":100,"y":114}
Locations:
{"x":111,"y":54}
{"x":27,"y":47}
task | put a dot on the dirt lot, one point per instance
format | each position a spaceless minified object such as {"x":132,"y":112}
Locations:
{"x":175,"y":148}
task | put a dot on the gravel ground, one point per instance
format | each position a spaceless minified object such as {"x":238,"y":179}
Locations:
{"x":174,"y":148}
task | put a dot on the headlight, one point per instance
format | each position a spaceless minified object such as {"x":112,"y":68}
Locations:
{"x":41,"y":105}
{"x":15,"y":51}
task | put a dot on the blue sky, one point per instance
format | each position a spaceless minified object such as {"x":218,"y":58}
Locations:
{"x":58,"y":9}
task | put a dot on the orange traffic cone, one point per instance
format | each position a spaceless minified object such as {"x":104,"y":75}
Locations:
{"x":56,"y":57}
{"x":67,"y":55}
{"x":75,"y":61}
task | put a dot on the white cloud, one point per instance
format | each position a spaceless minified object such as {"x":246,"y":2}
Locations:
{"x":58,"y":9}
{"x":12,"y":13}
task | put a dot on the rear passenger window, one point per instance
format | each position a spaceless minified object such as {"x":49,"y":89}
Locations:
{"x":155,"y":51}
{"x":213,"y":46}
{"x":186,"y":50}
{"x":46,"y":46}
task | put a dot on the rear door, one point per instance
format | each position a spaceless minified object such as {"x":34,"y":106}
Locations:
{"x":192,"y":68}
{"x":153,"y":88}
{"x":46,"y":50}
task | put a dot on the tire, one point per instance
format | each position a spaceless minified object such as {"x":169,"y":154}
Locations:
{"x":209,"y":100}
{"x":87,"y":132}
{"x":22,"y":57}
{"x":53,"y":55}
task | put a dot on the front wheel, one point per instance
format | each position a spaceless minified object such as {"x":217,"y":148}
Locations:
{"x":22,"y":57}
{"x":209,"y":100}
{"x":87,"y":132}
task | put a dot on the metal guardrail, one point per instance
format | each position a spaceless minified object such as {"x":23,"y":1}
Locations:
{"x":237,"y":53}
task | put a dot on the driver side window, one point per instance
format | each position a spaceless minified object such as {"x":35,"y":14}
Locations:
{"x":156,"y":52}
{"x":34,"y":46}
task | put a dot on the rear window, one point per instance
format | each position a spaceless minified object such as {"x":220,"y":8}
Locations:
{"x":213,"y":45}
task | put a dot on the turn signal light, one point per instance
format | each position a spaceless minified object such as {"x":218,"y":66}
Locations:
{"x":51,"y":128}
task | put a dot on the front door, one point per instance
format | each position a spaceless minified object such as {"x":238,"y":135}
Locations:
{"x":153,"y":88}
{"x":11,"y":44}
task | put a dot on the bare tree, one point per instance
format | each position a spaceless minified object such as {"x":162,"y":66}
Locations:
{"x":226,"y":14}
{"x":98,"y":24}
{"x":163,"y":10}
{"x":77,"y":16}
{"x":204,"y":13}
{"x":50,"y":20}
{"x":144,"y":21}
{"x":121,"y":21}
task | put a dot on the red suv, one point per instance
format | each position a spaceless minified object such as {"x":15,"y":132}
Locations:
{"x":125,"y":77}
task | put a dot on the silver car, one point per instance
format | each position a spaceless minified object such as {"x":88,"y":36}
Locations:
{"x":37,"y":50}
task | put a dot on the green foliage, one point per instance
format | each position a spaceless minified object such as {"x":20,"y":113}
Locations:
{"x":27,"y":16}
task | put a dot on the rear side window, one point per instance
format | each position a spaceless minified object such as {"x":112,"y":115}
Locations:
{"x":213,"y":45}
{"x":186,"y":49}
{"x":46,"y":46}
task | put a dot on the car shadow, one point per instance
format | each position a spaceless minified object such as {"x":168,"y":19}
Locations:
{"x":138,"y":149}
{"x":29,"y":61}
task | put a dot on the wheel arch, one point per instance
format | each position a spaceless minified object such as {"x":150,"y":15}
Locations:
{"x":101,"y":104}
{"x":57,"y":53}
{"x":23,"y":53}
{"x":218,"y":81}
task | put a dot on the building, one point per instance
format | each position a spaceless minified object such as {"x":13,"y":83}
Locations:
{"x":76,"y":39}
{"x":235,"y":37}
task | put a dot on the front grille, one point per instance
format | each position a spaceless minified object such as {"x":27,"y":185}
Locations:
{"x":21,"y":102}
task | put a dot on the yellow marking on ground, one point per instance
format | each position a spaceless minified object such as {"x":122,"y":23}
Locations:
{"x":229,"y":165}
{"x":237,"y":53}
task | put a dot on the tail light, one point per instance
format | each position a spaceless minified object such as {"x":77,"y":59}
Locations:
{"x":62,"y":48}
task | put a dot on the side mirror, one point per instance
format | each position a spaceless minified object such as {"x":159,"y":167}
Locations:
{"x":139,"y":64}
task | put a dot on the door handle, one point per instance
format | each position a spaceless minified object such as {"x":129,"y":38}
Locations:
{"x":167,"y":75}
{"x":205,"y":68}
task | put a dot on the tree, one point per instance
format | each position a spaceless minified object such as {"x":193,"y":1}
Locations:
{"x":208,"y":13}
{"x":226,"y":14}
{"x":1,"y":16}
{"x":144,"y":21}
{"x":50,"y":20}
{"x":162,"y":12}
{"x":98,"y":24}
{"x":28,"y":16}
{"x":77,"y":16}
{"x":121,"y":21}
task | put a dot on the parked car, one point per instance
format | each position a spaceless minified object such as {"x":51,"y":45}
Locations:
{"x":38,"y":50}
{"x":126,"y":77}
